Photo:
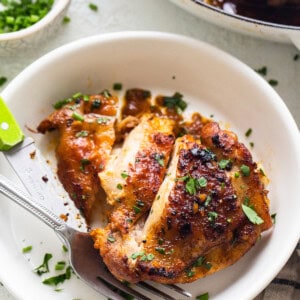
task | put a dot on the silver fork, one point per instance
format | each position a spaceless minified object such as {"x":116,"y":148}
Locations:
{"x":84,"y":259}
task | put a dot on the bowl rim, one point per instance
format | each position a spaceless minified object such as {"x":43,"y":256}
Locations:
{"x":243,"y":18}
{"x":57,"y":7}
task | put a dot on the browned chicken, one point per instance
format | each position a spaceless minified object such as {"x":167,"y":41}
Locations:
{"x":210,"y":209}
{"x":86,"y":129}
{"x":135,"y":172}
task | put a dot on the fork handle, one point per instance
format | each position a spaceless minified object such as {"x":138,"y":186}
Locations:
{"x":9,"y":189}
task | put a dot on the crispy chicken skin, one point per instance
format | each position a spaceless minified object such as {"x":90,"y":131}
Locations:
{"x":86,"y":129}
{"x":196,"y":225}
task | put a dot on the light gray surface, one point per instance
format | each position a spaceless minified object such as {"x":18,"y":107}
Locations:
{"x":161,"y":15}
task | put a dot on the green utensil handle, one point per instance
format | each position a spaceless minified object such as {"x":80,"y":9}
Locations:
{"x":10,"y":132}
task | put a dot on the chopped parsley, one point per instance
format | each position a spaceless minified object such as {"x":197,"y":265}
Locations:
{"x":273,"y":217}
{"x":224,"y":163}
{"x":252,"y":215}
{"x":212,"y":216}
{"x":27,"y":249}
{"x":119,"y":186}
{"x":44,"y":267}
{"x":83,"y":163}
{"x":65,"y":249}
{"x":66,"y":20}
{"x":82,"y":133}
{"x":204,"y":296}
{"x":160,"y":250}
{"x":160,"y":159}
{"x":55,"y":280}
{"x":124,"y":175}
{"x":262,"y":71}
{"x":102,"y":120}
{"x":175,"y":102}
{"x":117,"y":86}
{"x":248,"y":132}
{"x":2,"y":80}
{"x":245,"y":170}
{"x":273,"y":82}
{"x":93,"y":7}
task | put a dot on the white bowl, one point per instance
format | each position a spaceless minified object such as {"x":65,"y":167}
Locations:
{"x":253,"y":27}
{"x":36,"y":34}
{"x":212,"y":82}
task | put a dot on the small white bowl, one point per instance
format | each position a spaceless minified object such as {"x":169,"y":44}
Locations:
{"x":212,"y":82}
{"x":39,"y":32}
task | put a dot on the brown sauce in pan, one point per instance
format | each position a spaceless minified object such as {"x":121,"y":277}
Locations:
{"x":286,"y":12}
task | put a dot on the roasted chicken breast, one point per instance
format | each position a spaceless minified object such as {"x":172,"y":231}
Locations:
{"x":86,"y":136}
{"x":211,"y":204}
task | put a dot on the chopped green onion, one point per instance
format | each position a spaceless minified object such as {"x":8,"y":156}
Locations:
{"x":262,"y":71}
{"x":137,"y":254}
{"x":212,"y":216}
{"x":202,"y":181}
{"x":190,"y":186}
{"x":204,"y":296}
{"x":273,"y":217}
{"x":136,"y":209}
{"x":248,"y":132}
{"x":223,"y":163}
{"x":82,"y":133}
{"x":119,"y":186}
{"x":2,"y":80}
{"x":111,"y":239}
{"x":77,"y":116}
{"x":65,"y":249}
{"x":160,"y":159}
{"x":124,"y":175}
{"x":66,"y":20}
{"x":273,"y":82}
{"x":175,"y":102}
{"x":160,"y":250}
{"x":27,"y":249}
{"x":60,"y":265}
{"x":55,"y":280}
{"x":296,"y":57}
{"x":59,"y":104}
{"x":245,"y":170}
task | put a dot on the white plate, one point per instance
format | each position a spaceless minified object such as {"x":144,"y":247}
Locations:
{"x":212,"y":82}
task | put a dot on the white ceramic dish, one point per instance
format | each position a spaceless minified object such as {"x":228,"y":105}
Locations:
{"x":14,"y":42}
{"x":257,"y":28}
{"x":212,"y":82}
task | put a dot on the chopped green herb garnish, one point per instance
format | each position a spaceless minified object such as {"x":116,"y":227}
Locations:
{"x":59,"y":278}
{"x":93,"y":7}
{"x":262,"y":71}
{"x":223,"y":163}
{"x":124,"y":175}
{"x":190,"y":273}
{"x":248,"y":132}
{"x":77,"y":116}
{"x":86,"y":98}
{"x":273,"y":82}
{"x":59,"y":104}
{"x":119,"y":186}
{"x":117,"y":86}
{"x":207,"y":265}
{"x":66,"y":20}
{"x":102,"y":120}
{"x":147,"y":257}
{"x":111,"y":238}
{"x":204,"y":296}
{"x":262,"y":172}
{"x":160,"y":159}
{"x":212,"y":216}
{"x":246,"y":201}
{"x":245,"y":170}
{"x":252,"y":215}
{"x":83,"y":163}
{"x":27,"y":249}
{"x":136,"y":209}
{"x":175,"y":102}
{"x":200,"y":260}
{"x":77,"y":95}
{"x":2,"y":80}
{"x":44,"y":268}
{"x":82,"y":133}
{"x":207,"y":201}
{"x":17,"y":15}
{"x":140,"y":203}
{"x":160,"y":241}
{"x":60,"y":265}
{"x":202,"y":181}
{"x":236,"y":174}
{"x":190,"y":186}
{"x":106,"y":93}
{"x":137,"y":254}
{"x":251,"y":144}
{"x":160,"y":250}
{"x":296,"y":57}
{"x":65,"y":249}
{"x":273,"y":217}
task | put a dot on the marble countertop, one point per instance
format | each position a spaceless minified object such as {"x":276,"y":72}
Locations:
{"x":162,"y":15}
